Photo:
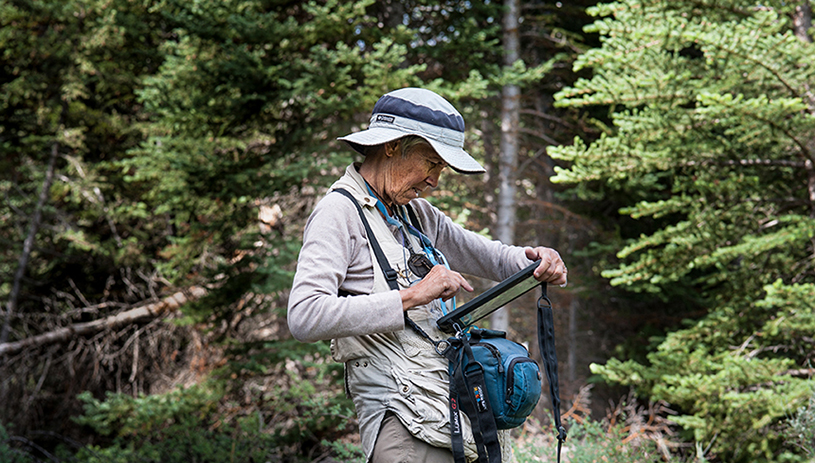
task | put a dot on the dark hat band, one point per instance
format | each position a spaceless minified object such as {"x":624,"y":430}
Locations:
{"x":389,"y":104}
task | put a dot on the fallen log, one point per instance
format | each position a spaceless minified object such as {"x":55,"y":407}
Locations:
{"x":145,"y":312}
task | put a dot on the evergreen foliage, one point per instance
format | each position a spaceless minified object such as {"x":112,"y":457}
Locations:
{"x":190,"y":425}
{"x":68,"y":74}
{"x":710,"y":151}
{"x":174,"y":427}
{"x":9,"y":453}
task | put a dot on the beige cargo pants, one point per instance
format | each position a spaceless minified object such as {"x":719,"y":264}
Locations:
{"x":395,"y":444}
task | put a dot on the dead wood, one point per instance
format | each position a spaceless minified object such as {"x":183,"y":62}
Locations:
{"x":28,"y":245}
{"x":144,"y":312}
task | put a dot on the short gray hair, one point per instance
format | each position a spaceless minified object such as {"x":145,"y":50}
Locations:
{"x":408,"y":143}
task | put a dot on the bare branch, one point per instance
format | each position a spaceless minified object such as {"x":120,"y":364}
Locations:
{"x":800,"y":372}
{"x":78,"y":292}
{"x":34,"y":446}
{"x":168,"y":304}
{"x":549,"y":117}
{"x":581,"y":406}
{"x":28,"y":244}
{"x":535,"y":158}
{"x":539,"y":134}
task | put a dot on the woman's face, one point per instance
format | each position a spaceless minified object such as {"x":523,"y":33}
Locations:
{"x":412,"y":174}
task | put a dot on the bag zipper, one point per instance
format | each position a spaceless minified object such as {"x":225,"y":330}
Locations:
{"x":495,"y":353}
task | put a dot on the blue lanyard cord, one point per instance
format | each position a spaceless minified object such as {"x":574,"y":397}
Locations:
{"x":453,"y":300}
{"x":431,"y":252}
{"x":381,"y":207}
{"x":443,"y":259}
{"x":435,"y":256}
{"x":399,"y":222}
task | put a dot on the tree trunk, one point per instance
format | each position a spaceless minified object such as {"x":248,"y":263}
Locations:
{"x":28,"y":244}
{"x":508,"y":159}
{"x":149,"y":311}
{"x":802,"y":21}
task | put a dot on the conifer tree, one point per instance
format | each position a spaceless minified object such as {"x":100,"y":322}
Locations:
{"x":68,"y":234}
{"x":710,"y":156}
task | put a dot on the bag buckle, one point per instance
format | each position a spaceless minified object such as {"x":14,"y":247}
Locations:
{"x":437,"y":346}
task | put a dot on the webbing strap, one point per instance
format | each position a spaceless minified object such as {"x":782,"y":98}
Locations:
{"x":546,"y":342}
{"x":456,"y":436}
{"x":414,"y":220}
{"x":471,"y":379}
{"x":390,"y":273}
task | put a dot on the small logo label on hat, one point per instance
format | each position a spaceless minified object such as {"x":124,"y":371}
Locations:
{"x":384,"y":118}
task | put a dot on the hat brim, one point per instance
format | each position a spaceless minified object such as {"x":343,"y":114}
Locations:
{"x":458,"y":159}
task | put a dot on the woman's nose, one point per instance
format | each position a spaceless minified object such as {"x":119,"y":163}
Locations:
{"x":433,"y":179}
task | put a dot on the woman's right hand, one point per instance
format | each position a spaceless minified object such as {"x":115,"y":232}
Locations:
{"x":439,"y":283}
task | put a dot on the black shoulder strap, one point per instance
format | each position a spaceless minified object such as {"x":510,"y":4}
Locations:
{"x":413,"y":218}
{"x":460,"y":399}
{"x":390,"y":273}
{"x":546,"y":343}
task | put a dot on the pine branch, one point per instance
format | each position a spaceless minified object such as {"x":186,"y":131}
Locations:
{"x":145,"y":312}
{"x":701,"y":4}
{"x":539,"y":134}
{"x":747,"y":162}
{"x":549,"y":117}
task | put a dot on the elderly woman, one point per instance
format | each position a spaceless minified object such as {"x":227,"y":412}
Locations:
{"x":398,"y":382}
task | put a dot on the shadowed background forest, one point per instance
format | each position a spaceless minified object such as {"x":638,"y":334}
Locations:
{"x":158,"y":159}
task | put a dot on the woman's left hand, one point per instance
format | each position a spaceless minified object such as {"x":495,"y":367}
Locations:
{"x":552,"y":269}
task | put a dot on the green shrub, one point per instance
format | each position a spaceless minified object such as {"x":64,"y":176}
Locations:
{"x":800,"y":431}
{"x":10,"y":453}
{"x":346,"y":452}
{"x":121,"y":415}
{"x":279,"y":401}
{"x":590,"y":442}
{"x":183,"y":425}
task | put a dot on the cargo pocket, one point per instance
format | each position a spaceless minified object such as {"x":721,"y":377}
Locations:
{"x":411,"y":343}
{"x":368,"y":379}
{"x":424,"y":400}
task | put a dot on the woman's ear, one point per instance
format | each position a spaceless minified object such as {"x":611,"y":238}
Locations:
{"x":391,"y":148}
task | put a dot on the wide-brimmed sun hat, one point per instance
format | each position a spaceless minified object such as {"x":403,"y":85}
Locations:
{"x":417,"y":111}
